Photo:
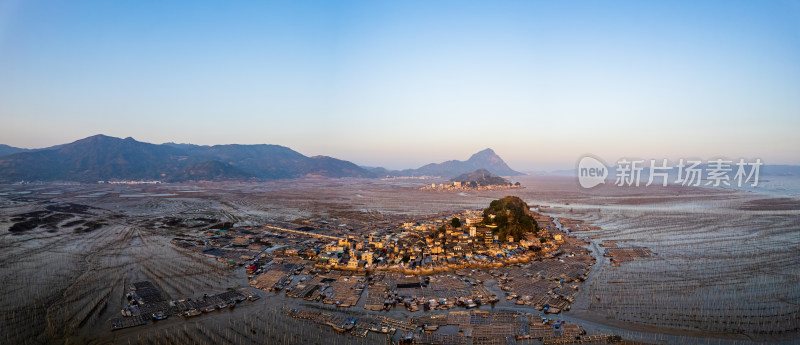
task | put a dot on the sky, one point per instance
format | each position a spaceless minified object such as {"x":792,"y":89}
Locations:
{"x":403,"y":83}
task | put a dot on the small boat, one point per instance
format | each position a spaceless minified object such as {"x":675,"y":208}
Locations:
{"x":349,"y":325}
{"x":191,"y":312}
{"x":470,"y":304}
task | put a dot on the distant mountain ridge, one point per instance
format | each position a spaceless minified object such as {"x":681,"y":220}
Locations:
{"x":486,"y":159}
{"x":100,"y":157}
{"x":103,"y":158}
{"x":6,"y":150}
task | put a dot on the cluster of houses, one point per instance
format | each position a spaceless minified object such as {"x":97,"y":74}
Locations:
{"x":335,"y":267}
{"x":420,"y":246}
{"x":427,"y":244}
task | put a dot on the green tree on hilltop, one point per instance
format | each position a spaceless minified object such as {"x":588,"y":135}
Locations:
{"x":512,"y":217}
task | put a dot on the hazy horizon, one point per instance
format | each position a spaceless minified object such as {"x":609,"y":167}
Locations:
{"x":400,"y":85}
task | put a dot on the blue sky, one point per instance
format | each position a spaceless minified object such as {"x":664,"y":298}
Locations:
{"x":401,"y":84}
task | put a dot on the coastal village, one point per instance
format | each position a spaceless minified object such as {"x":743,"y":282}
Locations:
{"x":458,"y":185}
{"x":478,"y":180}
{"x":449,"y":267}
{"x":420,"y":266}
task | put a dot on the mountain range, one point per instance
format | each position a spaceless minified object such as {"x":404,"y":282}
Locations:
{"x":100,"y":158}
{"x":486,"y":159}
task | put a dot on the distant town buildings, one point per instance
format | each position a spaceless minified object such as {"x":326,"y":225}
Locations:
{"x":458,"y":185}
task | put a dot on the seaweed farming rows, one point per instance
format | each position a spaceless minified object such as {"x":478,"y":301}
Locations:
{"x":267,"y":326}
{"x":716,"y":272}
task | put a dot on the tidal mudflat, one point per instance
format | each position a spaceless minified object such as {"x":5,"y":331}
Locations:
{"x":723,"y":265}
